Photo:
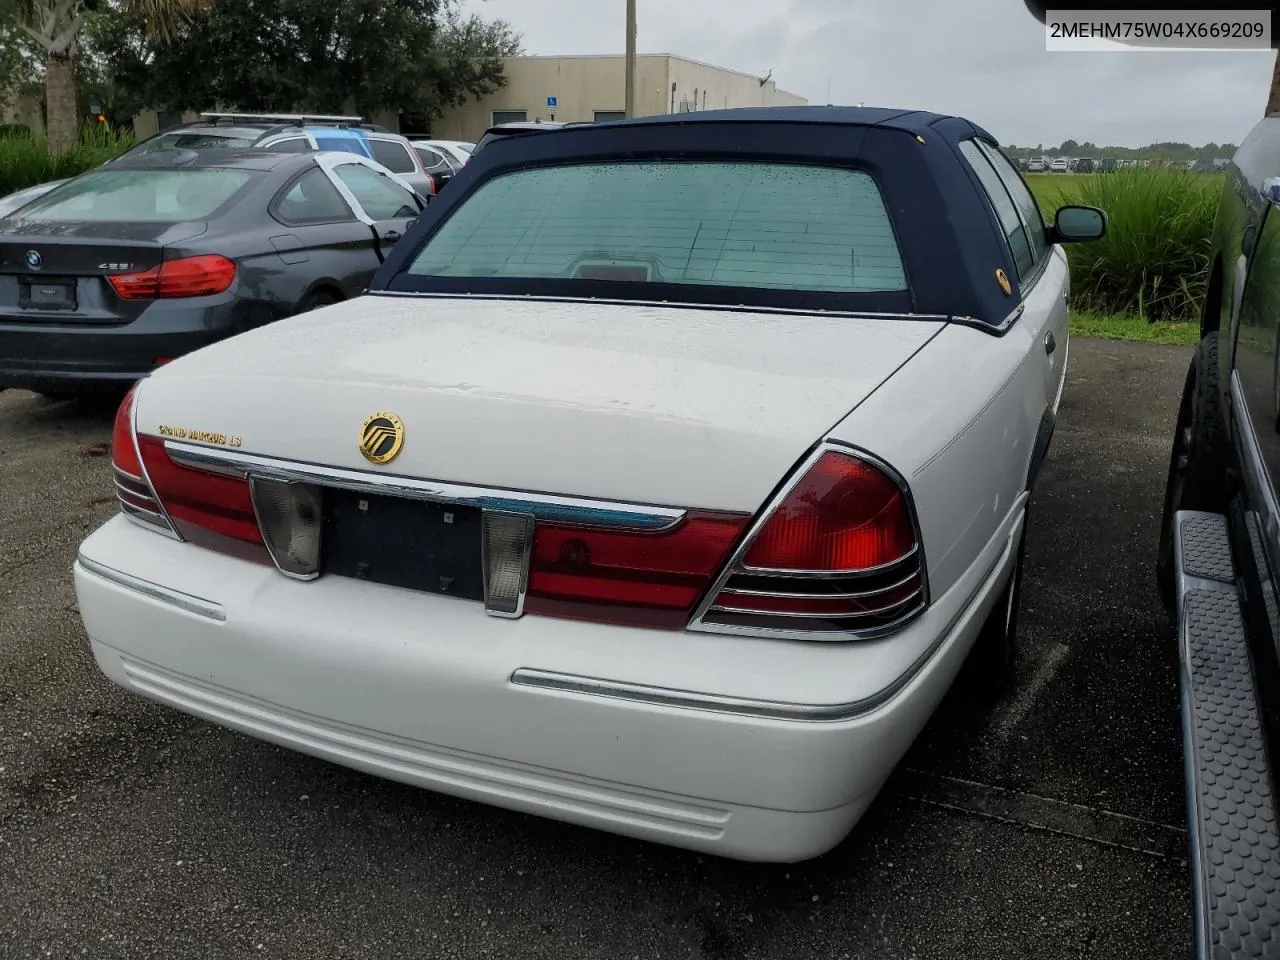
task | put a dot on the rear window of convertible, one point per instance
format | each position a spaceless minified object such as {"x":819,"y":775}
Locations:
{"x":157,"y":196}
{"x":730,"y":223}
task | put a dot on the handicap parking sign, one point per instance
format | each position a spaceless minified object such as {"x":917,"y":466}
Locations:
{"x":552,"y":102}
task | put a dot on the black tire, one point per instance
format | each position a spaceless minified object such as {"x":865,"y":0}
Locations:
{"x":316,"y":300}
{"x":1197,"y":478}
{"x":991,"y":662}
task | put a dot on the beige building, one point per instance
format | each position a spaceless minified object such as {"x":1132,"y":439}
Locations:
{"x":594,"y":88}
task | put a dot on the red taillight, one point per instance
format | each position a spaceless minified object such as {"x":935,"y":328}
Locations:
{"x":188,"y":277}
{"x":838,"y":554}
{"x":643,"y":578}
{"x":134,"y":493}
{"x":844,"y":514}
{"x":211,"y":509}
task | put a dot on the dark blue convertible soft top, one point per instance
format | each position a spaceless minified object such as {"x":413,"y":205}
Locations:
{"x":951,"y":242}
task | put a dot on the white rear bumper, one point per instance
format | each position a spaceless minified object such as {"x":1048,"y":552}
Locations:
{"x":419,"y":689}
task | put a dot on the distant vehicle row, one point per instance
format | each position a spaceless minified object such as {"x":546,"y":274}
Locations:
{"x":1108,"y":164}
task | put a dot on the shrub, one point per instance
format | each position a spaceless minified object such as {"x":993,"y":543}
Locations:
{"x":26,"y":160}
{"x":1153,"y":260}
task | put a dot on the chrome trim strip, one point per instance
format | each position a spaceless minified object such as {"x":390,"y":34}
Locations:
{"x":546,"y":507}
{"x":551,"y":681}
{"x":735,"y":565}
{"x":828,"y":574}
{"x":121,"y":488}
{"x":734,"y":308}
{"x":172,"y":529}
{"x":718,"y":608}
{"x":183,"y":601}
{"x":734,"y":591}
{"x":141,"y":513}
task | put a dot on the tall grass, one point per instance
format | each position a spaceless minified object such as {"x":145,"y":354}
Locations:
{"x":26,"y":160}
{"x":1152,"y":262}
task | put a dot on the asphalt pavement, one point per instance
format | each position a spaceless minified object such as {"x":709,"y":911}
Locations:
{"x":1049,"y":824}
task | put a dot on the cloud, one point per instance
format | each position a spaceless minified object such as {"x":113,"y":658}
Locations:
{"x":982,"y":59}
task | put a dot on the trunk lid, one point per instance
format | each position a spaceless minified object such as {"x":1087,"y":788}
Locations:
{"x":681,"y":407}
{"x":56,"y":272}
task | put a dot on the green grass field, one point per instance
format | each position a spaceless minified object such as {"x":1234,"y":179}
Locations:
{"x":1152,"y":265}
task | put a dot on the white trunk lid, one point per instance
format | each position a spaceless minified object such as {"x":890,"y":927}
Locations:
{"x":672,"y":406}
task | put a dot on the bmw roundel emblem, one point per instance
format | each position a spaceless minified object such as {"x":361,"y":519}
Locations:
{"x":34,"y":260}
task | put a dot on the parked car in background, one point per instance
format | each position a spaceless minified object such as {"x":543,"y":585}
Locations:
{"x":1036,"y":165}
{"x":1085,"y":165}
{"x":437,"y":161}
{"x":459,"y":150}
{"x":633,"y":575}
{"x":128,"y":266}
{"x":1218,"y":566}
{"x":291,"y":133}
{"x":1059,"y":165}
{"x":517,"y":128}
{"x":1108,"y":165}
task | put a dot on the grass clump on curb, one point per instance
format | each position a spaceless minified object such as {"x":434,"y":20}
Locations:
{"x":26,"y":160}
{"x":1152,"y":263}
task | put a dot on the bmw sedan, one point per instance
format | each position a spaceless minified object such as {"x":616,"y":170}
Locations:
{"x":128,"y":266}
{"x":662,"y":482}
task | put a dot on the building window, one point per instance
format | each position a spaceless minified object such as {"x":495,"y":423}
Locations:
{"x":509,"y":116}
{"x":605,"y":115}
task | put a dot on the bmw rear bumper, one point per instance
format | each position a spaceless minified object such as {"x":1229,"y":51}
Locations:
{"x":76,"y":355}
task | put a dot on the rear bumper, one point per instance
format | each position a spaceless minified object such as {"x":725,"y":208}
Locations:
{"x":1231,"y":809}
{"x":49,"y":356}
{"x":425,"y":690}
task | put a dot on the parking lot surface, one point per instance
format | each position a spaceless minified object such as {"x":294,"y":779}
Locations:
{"x":1048,"y":824}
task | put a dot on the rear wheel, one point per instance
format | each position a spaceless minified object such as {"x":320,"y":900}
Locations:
{"x":1197,"y":464}
{"x":316,"y":300}
{"x":991,"y":662}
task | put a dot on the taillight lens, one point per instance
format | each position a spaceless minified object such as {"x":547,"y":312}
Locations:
{"x":135,"y":495}
{"x":838,"y":554}
{"x":290,"y":517}
{"x":651,"y":579}
{"x":186,"y":277}
{"x":844,"y":514}
{"x":210,"y":509}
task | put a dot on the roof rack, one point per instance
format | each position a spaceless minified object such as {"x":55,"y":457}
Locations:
{"x":286,"y":118}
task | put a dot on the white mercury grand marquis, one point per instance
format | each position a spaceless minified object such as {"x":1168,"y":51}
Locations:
{"x":661,"y":482}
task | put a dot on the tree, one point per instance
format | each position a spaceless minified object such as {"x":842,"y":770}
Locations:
{"x":1068,"y":147}
{"x":54,"y":26}
{"x":416,"y":57}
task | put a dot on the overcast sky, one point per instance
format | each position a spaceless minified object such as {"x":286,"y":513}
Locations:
{"x":982,"y":59}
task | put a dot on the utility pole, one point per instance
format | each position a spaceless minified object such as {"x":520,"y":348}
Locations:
{"x":631,"y":58}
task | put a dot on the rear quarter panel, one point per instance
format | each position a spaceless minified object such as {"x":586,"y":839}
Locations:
{"x":958,"y":422}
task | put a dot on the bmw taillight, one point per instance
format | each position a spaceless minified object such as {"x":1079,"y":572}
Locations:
{"x":199,"y":276}
{"x":838,"y":554}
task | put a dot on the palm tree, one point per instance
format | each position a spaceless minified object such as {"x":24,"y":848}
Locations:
{"x":55,"y":26}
